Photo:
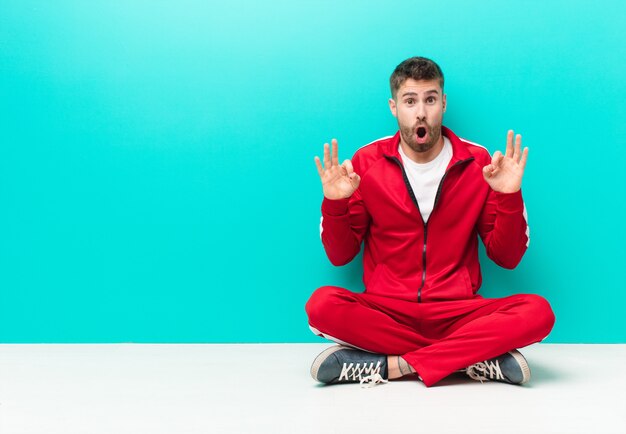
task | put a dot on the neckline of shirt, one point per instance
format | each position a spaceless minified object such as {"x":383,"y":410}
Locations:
{"x":446,"y":150}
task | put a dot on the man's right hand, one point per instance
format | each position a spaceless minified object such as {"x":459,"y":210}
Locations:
{"x":339,"y":181}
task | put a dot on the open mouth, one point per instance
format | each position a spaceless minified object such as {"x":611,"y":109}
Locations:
{"x":421,"y":132}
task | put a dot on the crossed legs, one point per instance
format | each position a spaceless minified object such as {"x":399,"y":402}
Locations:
{"x":436,"y":338}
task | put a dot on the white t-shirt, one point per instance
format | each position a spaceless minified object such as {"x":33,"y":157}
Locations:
{"x":424,"y":178}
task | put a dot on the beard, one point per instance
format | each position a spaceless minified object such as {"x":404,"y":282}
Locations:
{"x":409,"y":135}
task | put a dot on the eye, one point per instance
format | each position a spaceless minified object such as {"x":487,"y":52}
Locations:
{"x":410,"y":101}
{"x":431,"y":99}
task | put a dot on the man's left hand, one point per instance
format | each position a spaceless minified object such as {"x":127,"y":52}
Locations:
{"x":505,"y":172}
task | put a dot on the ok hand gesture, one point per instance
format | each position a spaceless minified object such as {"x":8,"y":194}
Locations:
{"x":338,"y":181}
{"x":505,"y":172}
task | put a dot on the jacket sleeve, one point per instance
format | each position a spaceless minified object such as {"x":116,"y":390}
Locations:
{"x":344,"y":224}
{"x":503,"y":227}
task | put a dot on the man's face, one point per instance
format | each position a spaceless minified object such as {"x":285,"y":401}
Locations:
{"x":419,"y":107}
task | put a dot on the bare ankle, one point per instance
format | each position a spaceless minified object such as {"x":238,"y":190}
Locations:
{"x":393,"y":370}
{"x":398,"y":367}
{"x":405,"y":368}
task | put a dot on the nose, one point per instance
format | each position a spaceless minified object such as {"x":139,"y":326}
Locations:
{"x":420,"y":112}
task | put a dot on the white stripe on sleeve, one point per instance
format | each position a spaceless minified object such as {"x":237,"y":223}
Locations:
{"x":527,"y":226}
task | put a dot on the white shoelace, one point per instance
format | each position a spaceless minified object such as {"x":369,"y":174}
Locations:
{"x":368,"y":375}
{"x":372,"y":380}
{"x":486,"y":370}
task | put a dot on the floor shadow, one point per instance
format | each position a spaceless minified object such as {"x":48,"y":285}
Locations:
{"x":541,"y":374}
{"x":455,"y":379}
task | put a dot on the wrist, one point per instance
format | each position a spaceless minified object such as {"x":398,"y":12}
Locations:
{"x":335,"y":207}
{"x":510,"y":201}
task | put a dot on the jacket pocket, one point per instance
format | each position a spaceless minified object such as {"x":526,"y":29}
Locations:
{"x":455,"y":286}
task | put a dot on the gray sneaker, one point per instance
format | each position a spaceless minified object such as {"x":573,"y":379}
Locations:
{"x":339,"y":364}
{"x":510,"y":367}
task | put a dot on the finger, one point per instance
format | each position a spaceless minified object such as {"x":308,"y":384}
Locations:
{"x":488,"y":170}
{"x":318,"y":163}
{"x":355,"y":179}
{"x":522,"y":163}
{"x":335,"y":154}
{"x":326,"y":156}
{"x":347,"y":164}
{"x":518,"y":146}
{"x":509,"y":143}
{"x":496,"y":159}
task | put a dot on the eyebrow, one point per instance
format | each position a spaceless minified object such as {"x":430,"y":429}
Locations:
{"x":425,"y":93}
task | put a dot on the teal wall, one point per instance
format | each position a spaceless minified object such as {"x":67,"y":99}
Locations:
{"x":157,"y":181}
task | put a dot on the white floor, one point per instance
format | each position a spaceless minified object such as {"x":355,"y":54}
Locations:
{"x":183,"y":389}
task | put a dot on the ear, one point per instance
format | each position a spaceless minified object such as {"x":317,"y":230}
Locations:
{"x":392,"y":107}
{"x":444,"y":103}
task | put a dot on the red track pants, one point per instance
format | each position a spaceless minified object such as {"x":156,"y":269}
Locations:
{"x":435,"y":338}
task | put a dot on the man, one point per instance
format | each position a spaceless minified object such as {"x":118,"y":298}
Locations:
{"x":418,"y":201}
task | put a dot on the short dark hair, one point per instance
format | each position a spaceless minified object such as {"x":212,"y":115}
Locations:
{"x":417,"y":68}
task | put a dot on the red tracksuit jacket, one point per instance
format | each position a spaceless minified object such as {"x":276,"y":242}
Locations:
{"x":408,"y":258}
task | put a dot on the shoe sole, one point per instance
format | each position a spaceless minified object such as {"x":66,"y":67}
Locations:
{"x":521,"y":360}
{"x":321,"y":357}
